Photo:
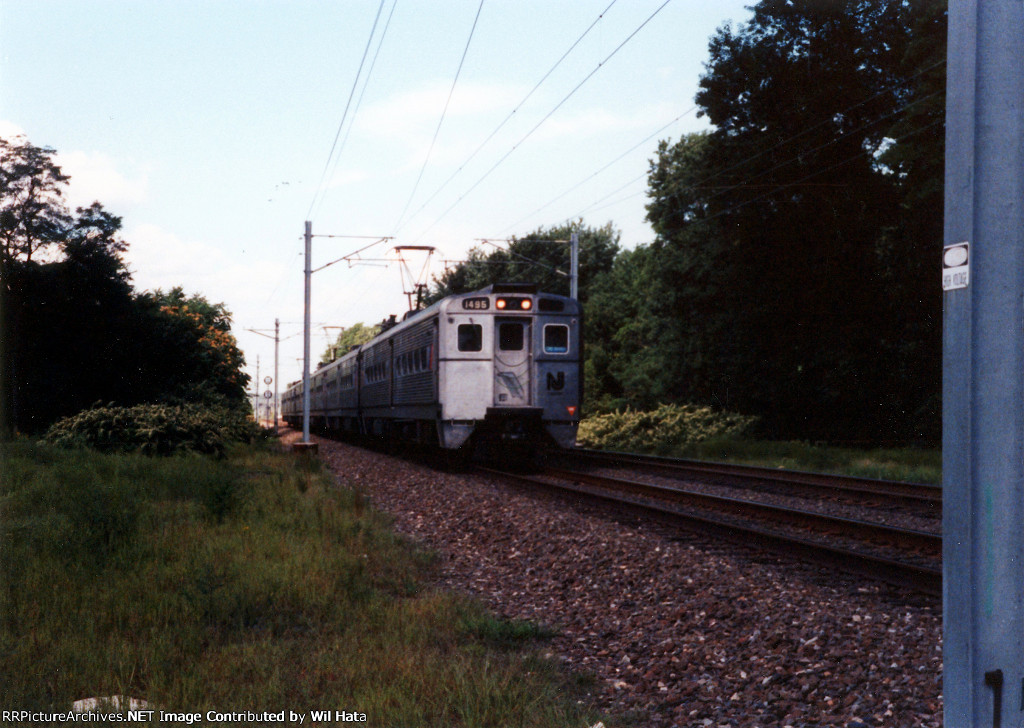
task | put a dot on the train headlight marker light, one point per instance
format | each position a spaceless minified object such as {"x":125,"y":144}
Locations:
{"x":500,"y":304}
{"x":527,"y":304}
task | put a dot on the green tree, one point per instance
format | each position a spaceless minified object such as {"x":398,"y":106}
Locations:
{"x":33,"y":214}
{"x":49,"y":257}
{"x":73,"y":319}
{"x":537,"y":257}
{"x":355,"y":335}
{"x":772,"y":227}
{"x":194,"y":349}
{"x":626,"y":346}
{"x":31,"y":209}
{"x":72,"y":330}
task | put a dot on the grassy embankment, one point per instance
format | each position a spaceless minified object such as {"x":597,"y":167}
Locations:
{"x":243,"y":583}
{"x":703,"y":434}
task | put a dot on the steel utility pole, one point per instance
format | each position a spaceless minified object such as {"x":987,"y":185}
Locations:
{"x":574,"y":265}
{"x":351,"y":258}
{"x":305,"y":336}
{"x":256,"y":389}
{"x":277,"y":343}
{"x":983,"y":367}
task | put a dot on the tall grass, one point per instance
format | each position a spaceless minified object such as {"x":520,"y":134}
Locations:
{"x":916,"y":465}
{"x":245,"y":583}
{"x":689,"y":431}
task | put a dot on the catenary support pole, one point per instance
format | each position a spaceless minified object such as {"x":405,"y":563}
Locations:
{"x":983,"y":367}
{"x":574,"y":265}
{"x":277,"y":344}
{"x":305,"y":335}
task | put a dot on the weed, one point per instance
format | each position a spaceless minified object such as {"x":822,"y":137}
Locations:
{"x":198,"y":584}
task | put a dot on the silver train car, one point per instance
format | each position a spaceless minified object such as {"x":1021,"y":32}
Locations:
{"x":501,"y":365}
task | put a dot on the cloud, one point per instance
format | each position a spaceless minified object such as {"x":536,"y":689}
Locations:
{"x":9,"y":130}
{"x":409,"y":115}
{"x":96,"y":176}
{"x":590,"y":122}
{"x":161,"y":259}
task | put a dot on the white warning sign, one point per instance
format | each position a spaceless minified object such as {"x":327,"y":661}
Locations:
{"x":956,"y":261}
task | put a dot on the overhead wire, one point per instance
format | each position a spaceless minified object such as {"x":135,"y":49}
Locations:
{"x":509,"y":116}
{"x":444,"y":112}
{"x":546,"y":117}
{"x":776,"y":188}
{"x":746,"y":183}
{"x":359,"y":101}
{"x":701,"y":184}
{"x":896,"y":87}
{"x":320,"y":185}
{"x":798,"y":157}
{"x":583,"y":181}
{"x":802,"y":180}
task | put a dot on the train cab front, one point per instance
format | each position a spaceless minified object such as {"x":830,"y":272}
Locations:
{"x":530,"y":390}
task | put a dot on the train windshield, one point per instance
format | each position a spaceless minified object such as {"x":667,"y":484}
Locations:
{"x":510,"y":337}
{"x":471,"y":337}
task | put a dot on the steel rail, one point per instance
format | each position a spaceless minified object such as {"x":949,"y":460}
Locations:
{"x":924,"y":578}
{"x":896,"y":491}
{"x":851,"y":528}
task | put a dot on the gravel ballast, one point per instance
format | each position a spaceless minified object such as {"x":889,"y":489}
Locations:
{"x":676,"y":629}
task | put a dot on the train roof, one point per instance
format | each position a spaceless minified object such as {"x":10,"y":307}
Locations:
{"x":442,"y":306}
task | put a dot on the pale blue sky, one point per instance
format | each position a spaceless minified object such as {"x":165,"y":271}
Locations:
{"x":207,"y":124}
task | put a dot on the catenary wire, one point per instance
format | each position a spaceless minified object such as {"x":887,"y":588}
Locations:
{"x":724,"y":189}
{"x":508,"y":118}
{"x":896,"y":87}
{"x":802,"y":180}
{"x":746,"y":181}
{"x":359,"y":101}
{"x":546,"y":117}
{"x":599,"y":171}
{"x":344,"y":115}
{"x":444,"y":112}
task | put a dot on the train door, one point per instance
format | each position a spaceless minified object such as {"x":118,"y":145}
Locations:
{"x":512,"y":354}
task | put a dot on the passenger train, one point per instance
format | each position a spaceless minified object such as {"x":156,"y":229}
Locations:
{"x":498,"y":366}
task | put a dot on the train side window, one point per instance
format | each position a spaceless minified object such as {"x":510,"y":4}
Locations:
{"x":471,"y":337}
{"x":556,"y":339}
{"x":510,"y":337}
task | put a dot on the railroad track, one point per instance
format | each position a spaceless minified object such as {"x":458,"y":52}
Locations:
{"x":858,"y":490}
{"x":901,"y":556}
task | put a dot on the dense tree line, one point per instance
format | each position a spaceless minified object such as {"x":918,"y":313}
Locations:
{"x":793,"y":272}
{"x":73,"y":331}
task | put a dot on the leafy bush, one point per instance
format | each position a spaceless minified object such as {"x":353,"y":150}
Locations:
{"x":154,"y":429}
{"x":662,"y":430}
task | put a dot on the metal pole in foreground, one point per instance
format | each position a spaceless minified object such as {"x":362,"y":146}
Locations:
{"x":983,"y":367}
{"x":305,"y":336}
